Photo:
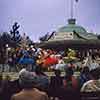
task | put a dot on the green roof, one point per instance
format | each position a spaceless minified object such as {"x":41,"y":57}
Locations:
{"x":78,"y":32}
{"x":72,"y":27}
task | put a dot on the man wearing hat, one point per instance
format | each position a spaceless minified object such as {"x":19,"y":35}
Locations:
{"x":28,"y":81}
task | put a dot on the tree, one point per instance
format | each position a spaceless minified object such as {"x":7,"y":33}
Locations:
{"x":5,"y":39}
{"x":15,"y":36}
{"x":26,"y":41}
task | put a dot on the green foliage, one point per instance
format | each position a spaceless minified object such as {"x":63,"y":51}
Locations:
{"x":5,"y":39}
{"x":15,"y":36}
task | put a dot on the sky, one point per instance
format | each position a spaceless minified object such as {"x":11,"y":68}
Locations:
{"x":37,"y":17}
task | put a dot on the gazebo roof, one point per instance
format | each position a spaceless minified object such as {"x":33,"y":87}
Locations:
{"x":72,"y":27}
{"x":71,"y":36}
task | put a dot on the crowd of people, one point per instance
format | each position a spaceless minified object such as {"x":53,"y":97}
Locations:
{"x":46,"y":58}
{"x":34,"y":84}
{"x":39,"y":86}
{"x":33,"y":57}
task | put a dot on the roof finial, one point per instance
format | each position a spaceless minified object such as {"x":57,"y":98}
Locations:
{"x":72,"y":20}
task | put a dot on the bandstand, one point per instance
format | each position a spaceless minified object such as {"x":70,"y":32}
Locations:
{"x":72,"y":36}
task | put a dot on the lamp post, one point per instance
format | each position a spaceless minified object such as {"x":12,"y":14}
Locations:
{"x":6,"y":54}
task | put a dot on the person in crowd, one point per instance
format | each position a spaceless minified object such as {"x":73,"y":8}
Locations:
{"x":93,"y":65}
{"x":61,"y":64}
{"x":93,"y":84}
{"x":10,"y":63}
{"x":84,"y":62}
{"x":70,"y":87}
{"x":72,"y":65}
{"x":84,"y":75}
{"x":5,"y":88}
{"x":43,"y":80}
{"x":56,"y":83}
{"x":69,"y":79}
{"x":28,"y":81}
{"x":15,"y":62}
{"x":1,"y":78}
{"x":34,"y":57}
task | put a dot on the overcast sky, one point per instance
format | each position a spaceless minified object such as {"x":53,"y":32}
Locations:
{"x":37,"y":17}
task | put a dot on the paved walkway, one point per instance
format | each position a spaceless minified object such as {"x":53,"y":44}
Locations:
{"x":14,"y":75}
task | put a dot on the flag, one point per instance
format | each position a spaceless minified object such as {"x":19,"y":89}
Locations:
{"x":76,"y":0}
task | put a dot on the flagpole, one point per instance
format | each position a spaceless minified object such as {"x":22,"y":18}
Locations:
{"x":72,"y":9}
